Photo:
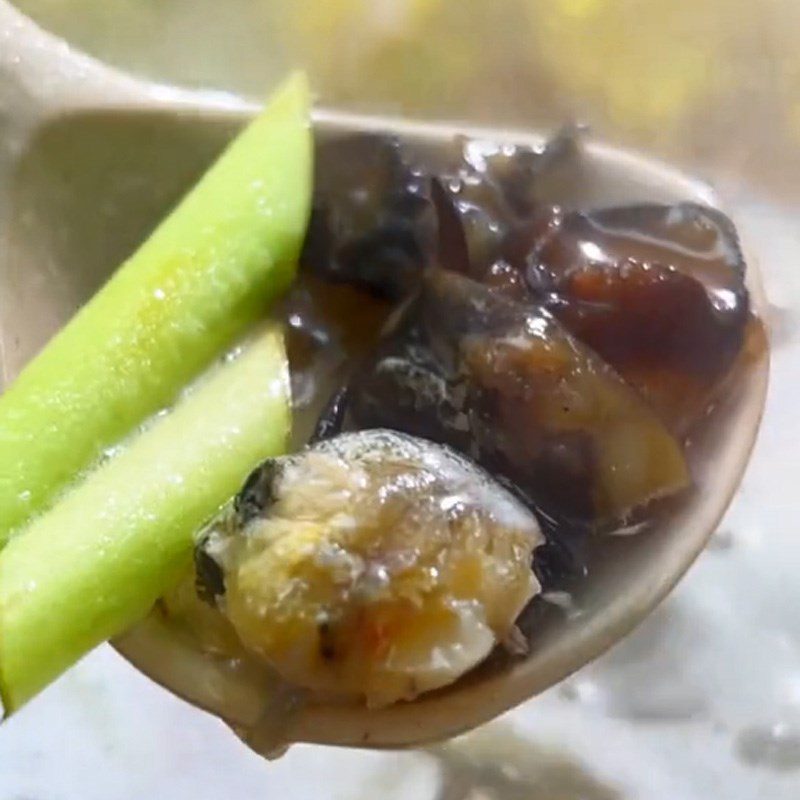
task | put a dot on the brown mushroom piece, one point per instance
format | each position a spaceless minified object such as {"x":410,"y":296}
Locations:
{"x":372,"y":224}
{"x":484,"y":191}
{"x":657,"y":291}
{"x":374,"y":218}
{"x":506,"y":384}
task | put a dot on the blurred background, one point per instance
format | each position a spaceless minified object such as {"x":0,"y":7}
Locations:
{"x":704,"y":699}
{"x":715,"y":84}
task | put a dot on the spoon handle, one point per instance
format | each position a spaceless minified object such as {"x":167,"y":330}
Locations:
{"x":43,"y":77}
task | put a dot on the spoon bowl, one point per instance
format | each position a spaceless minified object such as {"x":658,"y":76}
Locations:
{"x":629,"y":575}
{"x":91,"y":159}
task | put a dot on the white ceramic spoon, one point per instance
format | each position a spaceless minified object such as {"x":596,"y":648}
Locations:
{"x":90,"y":157}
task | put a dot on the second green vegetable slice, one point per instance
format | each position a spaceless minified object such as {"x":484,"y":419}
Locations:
{"x":94,"y":565}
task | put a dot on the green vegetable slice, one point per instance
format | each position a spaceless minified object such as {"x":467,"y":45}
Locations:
{"x":95,"y":563}
{"x":204,"y":275}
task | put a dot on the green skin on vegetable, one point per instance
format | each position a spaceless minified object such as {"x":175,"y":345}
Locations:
{"x":95,"y":564}
{"x":204,"y":275}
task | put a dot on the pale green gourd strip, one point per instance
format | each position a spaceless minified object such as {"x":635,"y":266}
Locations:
{"x":95,"y":563}
{"x":204,"y":275}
